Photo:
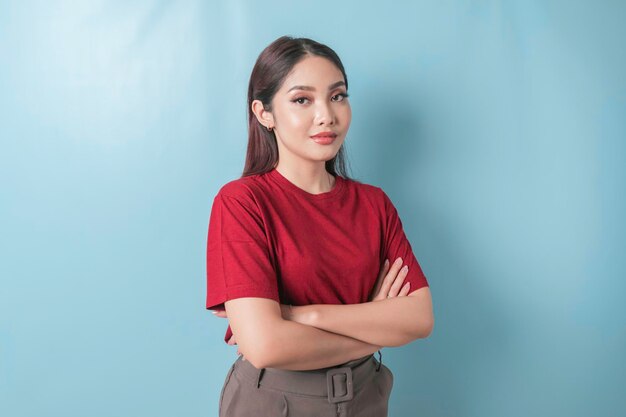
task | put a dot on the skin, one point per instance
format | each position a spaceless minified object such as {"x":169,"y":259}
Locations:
{"x":388,"y":285}
{"x":326,"y":334}
{"x":299,"y":114}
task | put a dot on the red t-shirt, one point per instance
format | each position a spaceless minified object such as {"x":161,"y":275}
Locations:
{"x":269,"y":238}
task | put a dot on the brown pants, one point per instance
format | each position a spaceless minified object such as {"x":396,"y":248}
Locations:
{"x":361,"y":387}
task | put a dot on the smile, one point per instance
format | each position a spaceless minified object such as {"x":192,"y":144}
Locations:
{"x":324,"y":140}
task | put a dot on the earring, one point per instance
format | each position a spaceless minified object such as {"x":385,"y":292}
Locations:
{"x":269,"y":128}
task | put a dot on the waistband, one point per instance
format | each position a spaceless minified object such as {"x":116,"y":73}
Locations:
{"x":337,"y":383}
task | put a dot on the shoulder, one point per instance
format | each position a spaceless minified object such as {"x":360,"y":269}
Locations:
{"x":371,"y":193}
{"x":238,"y":200}
{"x":245,"y":190}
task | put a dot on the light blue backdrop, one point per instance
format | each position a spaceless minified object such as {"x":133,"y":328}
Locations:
{"x":498,"y":129}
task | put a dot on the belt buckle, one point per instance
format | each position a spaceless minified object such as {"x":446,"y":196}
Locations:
{"x":330,"y":379}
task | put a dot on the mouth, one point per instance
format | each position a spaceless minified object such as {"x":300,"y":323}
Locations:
{"x":324,"y":138}
{"x":328,"y":134}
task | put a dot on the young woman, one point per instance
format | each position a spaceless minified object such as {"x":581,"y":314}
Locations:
{"x":312,"y":269}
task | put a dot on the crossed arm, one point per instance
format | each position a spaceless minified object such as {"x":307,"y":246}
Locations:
{"x":316,"y":336}
{"x":322,"y":335}
{"x":389,"y":322}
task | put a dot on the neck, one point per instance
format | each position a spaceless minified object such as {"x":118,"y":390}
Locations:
{"x":311,"y":178}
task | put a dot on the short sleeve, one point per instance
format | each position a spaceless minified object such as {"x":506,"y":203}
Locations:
{"x":238,"y":258}
{"x":397,"y":245}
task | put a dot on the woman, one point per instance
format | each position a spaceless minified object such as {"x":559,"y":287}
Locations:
{"x":295,"y":253}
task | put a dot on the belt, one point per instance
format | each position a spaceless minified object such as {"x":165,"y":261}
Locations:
{"x":337,"y":383}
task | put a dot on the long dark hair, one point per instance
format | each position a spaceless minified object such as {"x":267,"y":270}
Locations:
{"x":270,"y":70}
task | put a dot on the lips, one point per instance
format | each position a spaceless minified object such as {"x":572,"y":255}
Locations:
{"x":325,"y":135}
{"x":323,"y":140}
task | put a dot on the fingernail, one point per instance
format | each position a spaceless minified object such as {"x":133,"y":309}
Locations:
{"x":399,"y":260}
{"x":405,"y":268}
{"x":408,"y":285}
{"x":386,"y":262}
{"x":214,"y":312}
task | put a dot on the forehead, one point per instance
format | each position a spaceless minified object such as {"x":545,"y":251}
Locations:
{"x":313,"y":71}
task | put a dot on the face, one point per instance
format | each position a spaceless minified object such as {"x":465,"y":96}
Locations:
{"x":313,"y":99}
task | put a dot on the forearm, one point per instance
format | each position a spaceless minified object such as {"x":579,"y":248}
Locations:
{"x":391,"y":322}
{"x":296,"y":346}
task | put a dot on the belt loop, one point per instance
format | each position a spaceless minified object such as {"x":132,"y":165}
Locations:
{"x":258,"y":380}
{"x":380,"y":361}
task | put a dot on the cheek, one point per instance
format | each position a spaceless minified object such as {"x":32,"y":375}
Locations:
{"x":298,"y":121}
{"x":345,"y":115}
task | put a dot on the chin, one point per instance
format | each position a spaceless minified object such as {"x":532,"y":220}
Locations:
{"x":326,"y":156}
{"x":330,"y":152}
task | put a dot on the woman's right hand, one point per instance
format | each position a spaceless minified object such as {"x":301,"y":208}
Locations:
{"x":390,"y":280}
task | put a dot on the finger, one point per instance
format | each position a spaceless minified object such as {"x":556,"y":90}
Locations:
{"x":397,"y":283}
{"x":231,"y":341}
{"x":388,"y":280}
{"x":384,"y":268}
{"x":221,"y":313}
{"x":379,"y":279}
{"x":390,"y":277}
{"x":405,"y":290}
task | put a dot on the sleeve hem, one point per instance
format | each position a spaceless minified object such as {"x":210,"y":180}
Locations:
{"x":217,"y":302}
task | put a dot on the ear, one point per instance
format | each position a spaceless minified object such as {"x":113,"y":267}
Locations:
{"x":263,"y":116}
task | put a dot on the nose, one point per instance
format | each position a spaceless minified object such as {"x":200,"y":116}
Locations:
{"x":324,"y":114}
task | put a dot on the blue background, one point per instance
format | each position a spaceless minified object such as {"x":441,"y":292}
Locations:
{"x":498,"y":129}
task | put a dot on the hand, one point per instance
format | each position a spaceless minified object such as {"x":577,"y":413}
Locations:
{"x":232,"y":341}
{"x":389,"y":283}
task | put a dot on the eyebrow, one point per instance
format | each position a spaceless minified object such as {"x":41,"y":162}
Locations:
{"x":309,"y":88}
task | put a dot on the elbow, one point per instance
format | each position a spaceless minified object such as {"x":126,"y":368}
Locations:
{"x":254,"y":361}
{"x":423,"y":321}
{"x":428,"y":329}
{"x":264,"y":346}
{"x":424,"y":328}
{"x":260,"y":354}
{"x":419,"y":329}
{"x":257,"y":354}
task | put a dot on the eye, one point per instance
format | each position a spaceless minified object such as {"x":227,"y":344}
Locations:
{"x":342,"y":95}
{"x":298,"y":100}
